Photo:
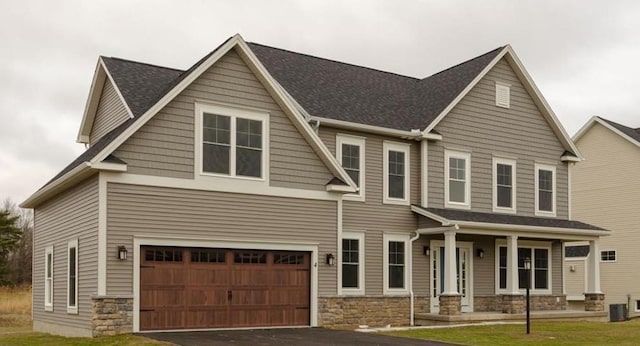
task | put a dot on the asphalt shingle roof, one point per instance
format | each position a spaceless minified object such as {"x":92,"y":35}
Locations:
{"x":631,"y":132}
{"x":461,"y":215}
{"x":336,"y":90}
{"x":323,"y":87}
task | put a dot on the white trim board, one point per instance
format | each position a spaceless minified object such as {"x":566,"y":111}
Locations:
{"x":141,"y":240}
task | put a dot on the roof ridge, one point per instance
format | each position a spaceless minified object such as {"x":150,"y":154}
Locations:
{"x":464,"y":62}
{"x":336,"y":61}
{"x":142,"y":63}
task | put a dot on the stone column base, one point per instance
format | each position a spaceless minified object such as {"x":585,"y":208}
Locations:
{"x":594,"y":302}
{"x":513,"y":303}
{"x":450,"y":304}
{"x":112,"y":315}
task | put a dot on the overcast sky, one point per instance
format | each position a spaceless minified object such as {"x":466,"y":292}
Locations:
{"x":583,"y":55}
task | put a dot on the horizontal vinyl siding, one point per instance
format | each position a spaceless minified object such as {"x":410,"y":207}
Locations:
{"x":556,"y":268}
{"x":111,"y":113}
{"x":189,"y":214}
{"x":70,"y":215}
{"x":373,"y":216}
{"x":606,"y":192}
{"x":477,"y":125}
{"x":165,"y":145}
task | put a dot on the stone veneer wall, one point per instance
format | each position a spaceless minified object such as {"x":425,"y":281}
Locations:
{"x":350,"y":312}
{"x":538,"y":303}
{"x":112,"y":315}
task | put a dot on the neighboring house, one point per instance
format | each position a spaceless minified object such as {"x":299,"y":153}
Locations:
{"x":605,"y":191}
{"x":263,"y":187}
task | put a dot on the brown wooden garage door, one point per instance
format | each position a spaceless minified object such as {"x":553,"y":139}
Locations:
{"x":190,"y":288}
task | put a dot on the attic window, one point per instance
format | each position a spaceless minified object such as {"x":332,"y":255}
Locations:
{"x":503,"y":95}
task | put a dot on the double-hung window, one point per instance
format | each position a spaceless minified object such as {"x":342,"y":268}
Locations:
{"x":231,"y":142}
{"x":48,"y":278}
{"x":72,"y":276}
{"x":352,"y":262}
{"x":457,"y":179}
{"x":396,"y":257}
{"x":396,"y":172}
{"x":504,"y":185}
{"x":545,"y":186}
{"x":540,"y":273}
{"x":350,"y":151}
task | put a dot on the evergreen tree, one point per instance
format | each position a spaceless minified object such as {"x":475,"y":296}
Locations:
{"x":9,"y":236}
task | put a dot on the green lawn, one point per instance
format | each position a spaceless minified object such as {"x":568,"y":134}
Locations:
{"x":542,"y":333}
{"x":16,"y":330}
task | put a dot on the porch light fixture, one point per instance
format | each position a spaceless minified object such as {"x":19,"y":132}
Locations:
{"x":527,"y":270}
{"x":122,"y":253}
{"x":481,"y":253}
{"x":331,"y":260}
{"x":426,"y":251}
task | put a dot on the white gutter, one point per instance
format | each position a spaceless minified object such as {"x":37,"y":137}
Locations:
{"x":411,"y":295}
{"x":416,"y":135}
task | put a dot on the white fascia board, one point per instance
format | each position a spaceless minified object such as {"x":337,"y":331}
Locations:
{"x":416,"y":135}
{"x":438,"y":218}
{"x":600,"y":121}
{"x":340,"y":188}
{"x":109,"y":166}
{"x":63,"y":181}
{"x":91,"y":106}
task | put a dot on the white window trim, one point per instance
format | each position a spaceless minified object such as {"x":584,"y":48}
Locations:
{"x":637,"y":305}
{"x":503,"y":87}
{"x":48,"y":287}
{"x":467,"y":191}
{"x":530,"y":245}
{"x":70,"y":245}
{"x":608,"y":261}
{"x":512,"y":163}
{"x":538,"y":212}
{"x":358,"y":235}
{"x":234,"y":112}
{"x":406,"y":149}
{"x":359,"y":141}
{"x":386,"y":238}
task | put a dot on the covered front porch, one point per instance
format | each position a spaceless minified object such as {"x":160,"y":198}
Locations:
{"x":477,"y":266}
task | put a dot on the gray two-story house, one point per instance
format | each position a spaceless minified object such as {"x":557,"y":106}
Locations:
{"x":263,"y":187}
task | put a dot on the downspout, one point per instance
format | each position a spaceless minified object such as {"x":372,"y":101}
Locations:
{"x":411,"y":296}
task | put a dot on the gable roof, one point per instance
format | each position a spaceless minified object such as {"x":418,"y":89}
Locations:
{"x":307,"y":85}
{"x":336,"y":90}
{"x":628,"y":133}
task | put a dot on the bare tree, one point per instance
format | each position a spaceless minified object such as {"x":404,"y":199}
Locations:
{"x":18,"y":257}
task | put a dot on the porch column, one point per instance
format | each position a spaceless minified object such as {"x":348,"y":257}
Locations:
{"x":513,"y":286}
{"x":450,"y":270}
{"x":512,"y":300}
{"x":593,"y":298}
{"x":450,"y":299}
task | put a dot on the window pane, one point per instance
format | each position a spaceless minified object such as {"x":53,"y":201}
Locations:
{"x":351,"y":161}
{"x":215,"y":158}
{"x":457,"y":168}
{"x":248,"y":162}
{"x":396,"y":174}
{"x":504,"y":196}
{"x":545,"y":190}
{"x":72,"y":277}
{"x":349,"y":275}
{"x":216,"y":128}
{"x":396,"y":186}
{"x":523,"y":253}
{"x":503,"y":278}
{"x":545,"y":200}
{"x":396,"y":276}
{"x":355,"y":176}
{"x":396,"y":264}
{"x":49,"y":260}
{"x":456,"y":191}
{"x":249,"y":133}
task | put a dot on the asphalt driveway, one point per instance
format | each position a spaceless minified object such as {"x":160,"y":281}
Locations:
{"x":287,"y":337}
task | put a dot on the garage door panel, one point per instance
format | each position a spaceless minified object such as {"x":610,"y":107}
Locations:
{"x":211,"y":288}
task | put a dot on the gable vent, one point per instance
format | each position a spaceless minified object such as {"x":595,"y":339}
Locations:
{"x":503,"y":95}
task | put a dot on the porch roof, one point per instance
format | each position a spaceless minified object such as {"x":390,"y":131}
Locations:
{"x":506,"y":222}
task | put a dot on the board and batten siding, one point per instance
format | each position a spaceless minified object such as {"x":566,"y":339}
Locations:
{"x":191,"y":214}
{"x":111,"y":112}
{"x":71,"y":215}
{"x":478,"y":126}
{"x":606,"y":193}
{"x":164,"y":146}
{"x":372,"y":216}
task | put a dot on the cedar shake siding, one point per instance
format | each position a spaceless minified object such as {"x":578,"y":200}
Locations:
{"x":164,"y":146}
{"x":478,"y":126}
{"x":72,"y":214}
{"x":191,"y":214}
{"x":372,"y":215}
{"x":111,"y":113}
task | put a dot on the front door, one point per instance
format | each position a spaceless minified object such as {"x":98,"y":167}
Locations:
{"x":464,"y":274}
